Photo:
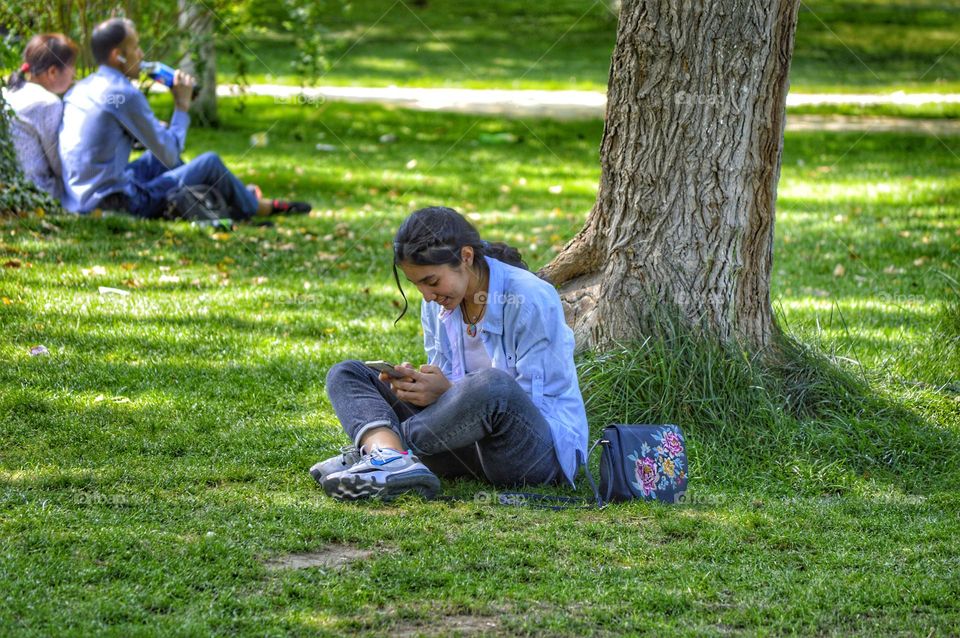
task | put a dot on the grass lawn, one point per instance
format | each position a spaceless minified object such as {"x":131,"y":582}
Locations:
{"x":847,"y":46}
{"x":153,"y":465}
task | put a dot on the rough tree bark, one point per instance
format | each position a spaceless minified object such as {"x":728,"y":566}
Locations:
{"x":196,"y":19}
{"x":690,"y":160}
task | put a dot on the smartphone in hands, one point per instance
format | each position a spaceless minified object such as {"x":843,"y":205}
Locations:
{"x":388,"y":368}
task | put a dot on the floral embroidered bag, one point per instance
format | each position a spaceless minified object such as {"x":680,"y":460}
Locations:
{"x":642,"y":462}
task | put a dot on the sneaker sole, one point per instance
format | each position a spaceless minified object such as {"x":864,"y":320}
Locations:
{"x":352,"y":488}
{"x":319,"y":476}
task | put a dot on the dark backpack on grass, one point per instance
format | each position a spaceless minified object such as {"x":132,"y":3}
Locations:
{"x":198,"y":203}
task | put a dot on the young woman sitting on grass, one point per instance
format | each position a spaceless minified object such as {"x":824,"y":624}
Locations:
{"x":497,"y":401}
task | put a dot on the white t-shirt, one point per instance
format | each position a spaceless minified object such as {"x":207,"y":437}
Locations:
{"x":473,"y":351}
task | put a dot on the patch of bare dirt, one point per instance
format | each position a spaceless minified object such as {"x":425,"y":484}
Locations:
{"x":460,"y":625}
{"x":330,"y":557}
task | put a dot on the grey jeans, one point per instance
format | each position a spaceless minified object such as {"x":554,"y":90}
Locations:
{"x":484,"y":427}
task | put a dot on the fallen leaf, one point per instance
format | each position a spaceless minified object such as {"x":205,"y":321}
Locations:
{"x":839,"y":271}
{"x":13,"y":263}
{"x":37,"y":351}
{"x":169,"y":279}
{"x":412,"y":164}
{"x":259,"y":281}
{"x":96,"y":270}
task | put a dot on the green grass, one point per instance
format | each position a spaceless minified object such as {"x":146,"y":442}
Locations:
{"x":841,"y":46}
{"x":931,"y":110}
{"x":156,"y":458}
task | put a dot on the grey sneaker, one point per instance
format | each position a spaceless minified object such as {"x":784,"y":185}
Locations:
{"x":349,"y":454}
{"x":384,"y":474}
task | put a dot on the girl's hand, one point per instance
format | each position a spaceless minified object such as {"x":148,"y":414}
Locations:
{"x":425,"y":387}
{"x":403,"y":368}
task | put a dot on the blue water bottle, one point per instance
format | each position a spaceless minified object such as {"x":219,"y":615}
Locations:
{"x":162,"y":73}
{"x":159,"y":72}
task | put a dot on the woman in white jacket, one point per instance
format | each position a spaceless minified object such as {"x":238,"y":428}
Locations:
{"x":33,"y":92}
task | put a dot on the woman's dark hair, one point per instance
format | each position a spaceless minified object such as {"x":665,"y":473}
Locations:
{"x":434,"y":236}
{"x":44,"y":51}
{"x":107,"y":36}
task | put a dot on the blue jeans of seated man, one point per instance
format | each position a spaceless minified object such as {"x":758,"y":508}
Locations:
{"x":484,"y":427}
{"x":152,"y":181}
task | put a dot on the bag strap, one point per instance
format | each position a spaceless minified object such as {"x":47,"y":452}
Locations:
{"x":586,"y":470}
{"x":553,"y":502}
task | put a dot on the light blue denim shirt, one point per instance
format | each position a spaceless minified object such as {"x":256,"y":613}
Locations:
{"x":525,"y":334}
{"x":102,"y":115}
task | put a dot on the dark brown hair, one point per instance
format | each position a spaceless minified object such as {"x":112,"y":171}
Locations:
{"x":434,"y":236}
{"x":44,"y":51}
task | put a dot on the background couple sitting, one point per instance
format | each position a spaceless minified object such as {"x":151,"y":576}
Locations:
{"x":78,"y":150}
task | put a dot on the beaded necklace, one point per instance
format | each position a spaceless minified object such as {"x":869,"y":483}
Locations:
{"x":473,"y":321}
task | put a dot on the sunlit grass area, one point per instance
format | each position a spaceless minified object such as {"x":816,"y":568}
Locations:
{"x":153,"y":464}
{"x":855,"y":46}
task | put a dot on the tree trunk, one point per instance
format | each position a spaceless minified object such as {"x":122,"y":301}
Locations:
{"x":200,"y":60}
{"x":690,"y":157}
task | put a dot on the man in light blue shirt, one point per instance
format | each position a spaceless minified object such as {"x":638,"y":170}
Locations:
{"x":105,"y":113}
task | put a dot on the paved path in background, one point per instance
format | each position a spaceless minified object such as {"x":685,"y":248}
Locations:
{"x":591,"y":104}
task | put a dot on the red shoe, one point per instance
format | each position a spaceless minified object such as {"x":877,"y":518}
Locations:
{"x":282,"y":207}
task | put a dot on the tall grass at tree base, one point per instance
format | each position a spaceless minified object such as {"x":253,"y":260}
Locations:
{"x":792,"y":422}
